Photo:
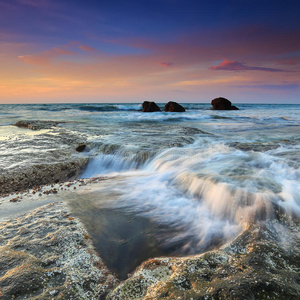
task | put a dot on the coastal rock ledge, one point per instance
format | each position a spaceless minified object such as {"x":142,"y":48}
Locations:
{"x":47,"y":254}
{"x":222,"y":104}
{"x":253,"y":266}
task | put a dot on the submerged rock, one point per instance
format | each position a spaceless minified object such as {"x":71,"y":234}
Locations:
{"x":36,"y":125}
{"x":150,"y":106}
{"x":174,"y":107}
{"x":258,"y":146}
{"x":222,"y":104}
{"x":80,"y":147}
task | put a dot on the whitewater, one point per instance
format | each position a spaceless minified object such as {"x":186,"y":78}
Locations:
{"x":201,"y":176}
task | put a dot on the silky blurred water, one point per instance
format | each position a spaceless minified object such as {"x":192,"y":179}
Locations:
{"x":205,"y":174}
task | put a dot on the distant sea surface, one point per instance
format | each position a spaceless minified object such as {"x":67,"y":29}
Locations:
{"x":206,"y":174}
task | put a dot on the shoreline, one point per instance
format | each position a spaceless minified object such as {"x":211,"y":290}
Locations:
{"x":48,"y":253}
{"x":252,"y":265}
{"x":49,"y":155}
{"x":53,"y":250}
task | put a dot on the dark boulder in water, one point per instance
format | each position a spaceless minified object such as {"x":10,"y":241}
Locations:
{"x":222,"y":104}
{"x":80,"y":147}
{"x":150,"y":106}
{"x":174,"y":107}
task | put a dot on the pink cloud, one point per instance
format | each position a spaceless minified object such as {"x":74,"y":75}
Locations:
{"x":59,"y":51}
{"x":227,"y":65}
{"x":46,"y":57}
{"x":289,"y":61}
{"x":165,"y":64}
{"x":39,"y":60}
{"x":87,"y":48}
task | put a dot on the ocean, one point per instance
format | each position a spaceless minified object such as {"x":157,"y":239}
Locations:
{"x":200,"y":176}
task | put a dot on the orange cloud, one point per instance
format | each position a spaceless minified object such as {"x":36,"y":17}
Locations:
{"x":46,"y":57}
{"x":87,"y":48}
{"x":131,"y":76}
{"x":58,"y":51}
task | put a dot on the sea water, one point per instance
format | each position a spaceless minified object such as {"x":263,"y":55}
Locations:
{"x":203,"y":174}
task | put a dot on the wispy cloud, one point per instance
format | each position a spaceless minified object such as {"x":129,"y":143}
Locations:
{"x":212,"y":81}
{"x":284,"y":86}
{"x":165,"y":64}
{"x":289,"y":61}
{"x":227,"y":65}
{"x":46,"y":57}
{"x":87,"y":48}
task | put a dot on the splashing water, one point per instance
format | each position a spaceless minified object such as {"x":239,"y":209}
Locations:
{"x":207,"y":194}
{"x":205,"y":175}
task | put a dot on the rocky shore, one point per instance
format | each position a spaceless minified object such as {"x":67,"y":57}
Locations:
{"x":40,"y":174}
{"x":256,"y":265}
{"x":48,"y":254}
{"x":46,"y":154}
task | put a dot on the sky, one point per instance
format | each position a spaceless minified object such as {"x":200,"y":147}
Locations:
{"x":59,"y":51}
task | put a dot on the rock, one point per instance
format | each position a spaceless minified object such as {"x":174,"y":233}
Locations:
{"x":36,"y":125}
{"x":80,"y":148}
{"x":174,"y":107}
{"x":46,"y":157}
{"x":46,"y":255}
{"x":256,"y":265}
{"x":35,"y":175}
{"x":150,"y":106}
{"x":222,"y":104}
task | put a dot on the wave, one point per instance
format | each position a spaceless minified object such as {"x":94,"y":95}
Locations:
{"x":208,"y":194}
{"x":109,"y":107}
{"x":108,"y":164}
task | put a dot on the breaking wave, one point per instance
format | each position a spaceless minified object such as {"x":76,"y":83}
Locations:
{"x":109,"y":107}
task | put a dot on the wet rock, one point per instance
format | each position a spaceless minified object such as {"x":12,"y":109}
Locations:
{"x":36,"y":125}
{"x":41,"y":158}
{"x":150,"y":107}
{"x":258,"y":264}
{"x":257,"y":146}
{"x":40,"y":174}
{"x":80,"y":147}
{"x":174,"y":107}
{"x":222,"y":104}
{"x":45,"y":255}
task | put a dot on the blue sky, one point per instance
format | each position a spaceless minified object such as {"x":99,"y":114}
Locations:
{"x":121,"y":51}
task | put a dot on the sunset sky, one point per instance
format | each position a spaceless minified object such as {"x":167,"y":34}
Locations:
{"x":160,"y":50}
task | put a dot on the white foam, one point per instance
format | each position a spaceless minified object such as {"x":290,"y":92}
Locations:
{"x":209,"y":194}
